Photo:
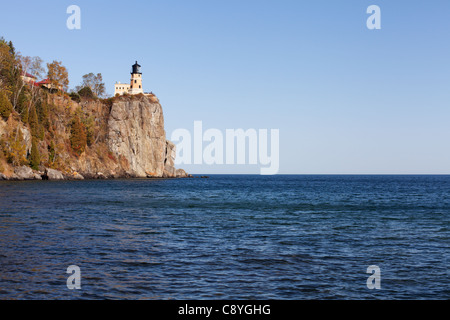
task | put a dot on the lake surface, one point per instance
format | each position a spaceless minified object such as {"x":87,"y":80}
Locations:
{"x":227,"y":237}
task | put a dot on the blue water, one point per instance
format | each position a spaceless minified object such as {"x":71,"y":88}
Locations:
{"x":227,"y":237}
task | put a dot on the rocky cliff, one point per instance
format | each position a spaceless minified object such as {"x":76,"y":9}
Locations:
{"x":136,"y":134}
{"x":127,"y":140}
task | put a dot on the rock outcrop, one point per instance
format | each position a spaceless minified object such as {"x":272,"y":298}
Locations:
{"x":51,"y":174}
{"x":169,"y":161}
{"x":25,"y":173}
{"x":180,"y":173}
{"x":136,"y":137}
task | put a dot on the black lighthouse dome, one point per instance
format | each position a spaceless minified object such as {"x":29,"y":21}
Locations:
{"x":136,"y":68}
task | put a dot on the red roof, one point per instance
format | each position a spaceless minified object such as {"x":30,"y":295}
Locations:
{"x":45,"y":81}
{"x":26,"y":74}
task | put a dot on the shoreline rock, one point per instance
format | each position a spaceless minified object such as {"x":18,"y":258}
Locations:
{"x":55,"y":175}
{"x":25,"y":173}
{"x":52,"y":174}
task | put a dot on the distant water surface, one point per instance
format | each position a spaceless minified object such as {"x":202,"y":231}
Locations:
{"x":227,"y":237}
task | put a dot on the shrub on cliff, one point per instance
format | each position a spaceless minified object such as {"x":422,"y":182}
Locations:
{"x":86,"y":93}
{"x":78,"y":136}
{"x":75,"y":97}
{"x":5,"y":105}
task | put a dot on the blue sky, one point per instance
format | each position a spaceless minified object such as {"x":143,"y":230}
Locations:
{"x":345,"y":99}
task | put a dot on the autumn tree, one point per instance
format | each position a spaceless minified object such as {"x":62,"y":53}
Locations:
{"x":58,"y":75}
{"x":95,"y":82}
{"x":16,"y":151}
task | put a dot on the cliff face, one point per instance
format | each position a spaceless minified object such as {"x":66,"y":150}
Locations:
{"x":136,"y":134}
{"x":129,"y":141}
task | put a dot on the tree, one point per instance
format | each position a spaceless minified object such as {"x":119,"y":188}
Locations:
{"x":23,"y":103}
{"x":58,"y":75}
{"x":78,"y":139}
{"x":10,"y":72}
{"x":5,"y":105}
{"x":51,"y":152}
{"x":75,"y":97}
{"x":17,"y":149}
{"x":95,"y":82}
{"x":42,"y":111}
{"x":86,"y":92}
{"x":33,"y":66}
{"x":89,"y":123}
{"x":35,"y":157}
{"x":5,"y":56}
{"x":33,"y":121}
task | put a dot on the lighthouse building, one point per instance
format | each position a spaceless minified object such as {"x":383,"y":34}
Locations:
{"x":135,"y":85}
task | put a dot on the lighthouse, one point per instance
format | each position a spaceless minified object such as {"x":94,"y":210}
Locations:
{"x":136,"y":80}
{"x":135,"y":86}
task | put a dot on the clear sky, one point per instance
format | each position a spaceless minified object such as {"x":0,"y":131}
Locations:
{"x":346,"y":99}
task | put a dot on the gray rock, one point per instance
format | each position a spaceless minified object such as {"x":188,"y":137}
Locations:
{"x":169,"y":161}
{"x":15,"y":177}
{"x":24,"y":173}
{"x":180,"y":173}
{"x":136,"y":136}
{"x":100,"y":175}
{"x":3,"y":177}
{"x":77,"y":176}
{"x":52,"y":174}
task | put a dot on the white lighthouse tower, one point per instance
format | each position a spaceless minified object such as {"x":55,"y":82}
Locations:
{"x":136,"y":80}
{"x":135,"y":86}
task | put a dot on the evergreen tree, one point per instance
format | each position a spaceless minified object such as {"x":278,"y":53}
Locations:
{"x":34,"y":123}
{"x":42,"y":112}
{"x":78,"y":138}
{"x":86,"y":93}
{"x":22,"y":105}
{"x":5,"y":105}
{"x":51,"y":152}
{"x":35,"y":160}
{"x":12,"y":50}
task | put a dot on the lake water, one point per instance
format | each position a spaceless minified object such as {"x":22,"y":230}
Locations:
{"x":227,"y":237}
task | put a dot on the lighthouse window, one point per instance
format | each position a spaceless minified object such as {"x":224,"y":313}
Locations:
{"x":135,"y":81}
{"x":139,"y":87}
